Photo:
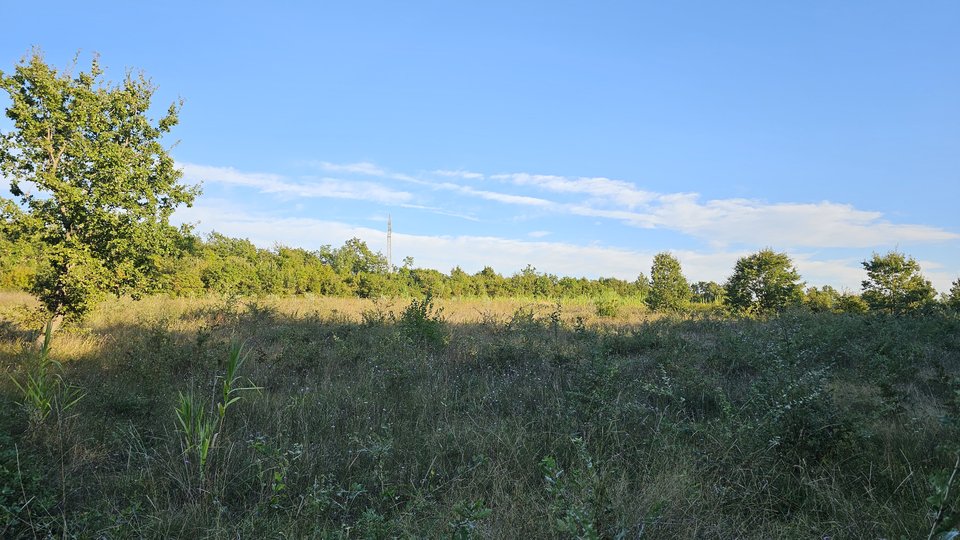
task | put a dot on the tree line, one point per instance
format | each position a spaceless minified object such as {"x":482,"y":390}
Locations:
{"x":231,"y":266}
{"x":763,"y":282}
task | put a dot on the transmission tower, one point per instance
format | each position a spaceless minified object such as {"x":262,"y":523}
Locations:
{"x":389,"y":244}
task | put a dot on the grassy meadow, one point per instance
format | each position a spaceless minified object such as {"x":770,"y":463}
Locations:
{"x":348,"y":418}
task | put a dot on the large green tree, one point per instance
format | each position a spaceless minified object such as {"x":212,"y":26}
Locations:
{"x":894,"y":284}
{"x":764,"y":282}
{"x":669,"y":290}
{"x":91,"y":181}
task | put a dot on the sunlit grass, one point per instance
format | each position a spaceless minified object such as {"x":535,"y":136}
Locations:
{"x":478,"y":418}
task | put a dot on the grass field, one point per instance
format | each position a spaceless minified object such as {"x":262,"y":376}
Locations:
{"x":492,"y":419}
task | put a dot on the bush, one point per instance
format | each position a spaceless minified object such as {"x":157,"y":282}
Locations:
{"x":608,"y":304}
{"x":423,"y":322}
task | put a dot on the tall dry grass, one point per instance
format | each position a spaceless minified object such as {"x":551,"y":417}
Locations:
{"x":495,"y":419}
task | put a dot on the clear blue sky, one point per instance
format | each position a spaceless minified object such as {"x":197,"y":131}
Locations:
{"x":580,"y":137}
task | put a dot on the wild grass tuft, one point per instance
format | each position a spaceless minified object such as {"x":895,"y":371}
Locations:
{"x":44,"y":391}
{"x":201,"y":430}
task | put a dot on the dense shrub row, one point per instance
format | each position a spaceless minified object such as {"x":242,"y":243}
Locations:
{"x":764,"y":282}
{"x":225,"y":265}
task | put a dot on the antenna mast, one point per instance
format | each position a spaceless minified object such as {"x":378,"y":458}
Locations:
{"x":389,"y":244}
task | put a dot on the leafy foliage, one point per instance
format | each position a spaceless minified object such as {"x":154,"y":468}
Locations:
{"x":668,"y":288}
{"x":708,"y":292}
{"x":764,"y":282}
{"x":200,"y":429}
{"x":608,"y":304}
{"x":894,"y":284}
{"x":93,"y":183}
{"x":953,"y":297}
{"x":422,"y":321}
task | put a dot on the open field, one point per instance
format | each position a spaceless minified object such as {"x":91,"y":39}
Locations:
{"x":495,"y":419}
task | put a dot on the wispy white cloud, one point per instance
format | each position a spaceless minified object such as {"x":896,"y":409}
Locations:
{"x":822,"y":225}
{"x":538,"y":234}
{"x":353,"y":168}
{"x":731,"y":221}
{"x":506,"y":198}
{"x":466,"y":175}
{"x":311,"y":186}
{"x":757,"y":223}
{"x":720,"y":221}
{"x":603,"y":189}
{"x":442,"y":212}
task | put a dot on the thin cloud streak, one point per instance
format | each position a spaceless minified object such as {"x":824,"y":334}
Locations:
{"x":505,"y":198}
{"x":314,"y":187}
{"x":353,"y":168}
{"x":721,"y":222}
{"x":441,"y":212}
{"x":604,"y":190}
{"x":466,"y":175}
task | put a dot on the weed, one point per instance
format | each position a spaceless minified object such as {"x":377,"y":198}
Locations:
{"x":467,"y":518}
{"x":199,"y":429}
{"x":45,"y":391}
{"x":422,"y":322}
{"x":380,"y":314}
{"x":575,"y":496}
{"x":273,"y":471}
{"x":946,"y":520}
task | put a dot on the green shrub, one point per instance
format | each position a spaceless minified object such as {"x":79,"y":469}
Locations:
{"x":608,"y":304}
{"x":423,"y":322}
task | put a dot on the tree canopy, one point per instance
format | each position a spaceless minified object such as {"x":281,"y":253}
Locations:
{"x":91,"y":180}
{"x":894,"y":283}
{"x":764,"y":282}
{"x":952,"y":298}
{"x":669,"y":290}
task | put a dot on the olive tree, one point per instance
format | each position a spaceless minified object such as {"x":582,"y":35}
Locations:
{"x":764,"y":282}
{"x":91,"y":181}
{"x":894,"y":284}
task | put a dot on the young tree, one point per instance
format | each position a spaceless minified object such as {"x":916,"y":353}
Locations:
{"x":821,"y":300}
{"x":953,"y":298}
{"x":668,"y":288}
{"x":641,"y":287}
{"x":764,"y":282}
{"x":894,"y":284}
{"x":91,"y":180}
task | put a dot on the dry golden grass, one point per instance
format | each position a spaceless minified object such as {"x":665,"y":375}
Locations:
{"x":370,"y":425}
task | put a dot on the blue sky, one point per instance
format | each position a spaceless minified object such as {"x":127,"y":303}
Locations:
{"x":579,"y":137}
